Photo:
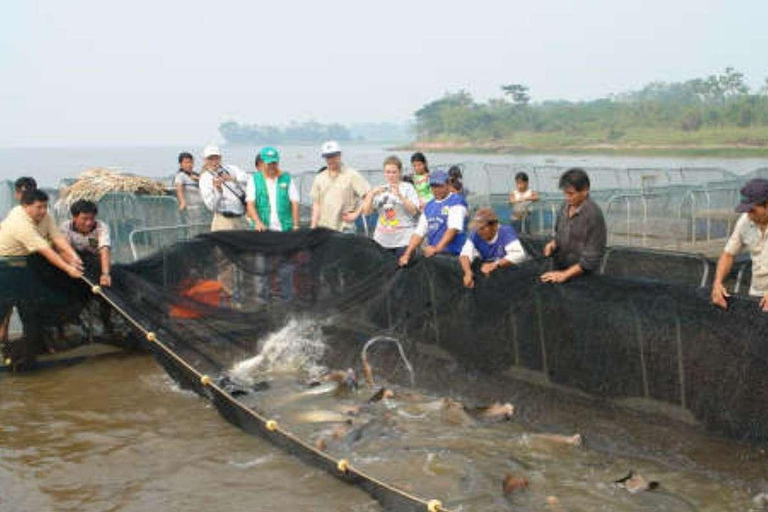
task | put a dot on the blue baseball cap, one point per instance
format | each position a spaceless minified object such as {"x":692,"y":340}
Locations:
{"x":438,"y":177}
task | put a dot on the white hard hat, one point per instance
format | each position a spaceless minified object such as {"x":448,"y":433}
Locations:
{"x":211,"y":150}
{"x":330,"y":148}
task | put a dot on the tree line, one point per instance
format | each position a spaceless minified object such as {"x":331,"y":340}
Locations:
{"x":717,"y":101}
{"x":308,"y":132}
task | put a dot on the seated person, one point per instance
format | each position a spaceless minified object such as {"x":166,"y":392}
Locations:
{"x":89,"y":237}
{"x":442,"y":223}
{"x":521,"y":199}
{"x":497,"y":246}
{"x":750,"y":234}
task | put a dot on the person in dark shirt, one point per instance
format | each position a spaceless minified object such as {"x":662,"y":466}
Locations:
{"x":580,"y":231}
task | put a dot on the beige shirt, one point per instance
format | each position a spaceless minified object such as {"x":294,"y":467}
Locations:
{"x":747,"y":235}
{"x":337,"y":195}
{"x":20,"y":236}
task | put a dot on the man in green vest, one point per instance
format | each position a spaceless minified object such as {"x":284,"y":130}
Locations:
{"x":271,"y":196}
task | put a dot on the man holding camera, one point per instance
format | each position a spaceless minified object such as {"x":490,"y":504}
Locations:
{"x":223,"y":191}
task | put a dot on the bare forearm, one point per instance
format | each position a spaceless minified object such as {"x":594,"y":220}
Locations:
{"x":54,"y":259}
{"x":315,"y":215}
{"x":574,"y":271}
{"x":466,"y":265}
{"x":106,"y":260}
{"x":448,"y":237}
{"x":724,"y":266}
{"x":295,"y":213}
{"x":413,"y":244}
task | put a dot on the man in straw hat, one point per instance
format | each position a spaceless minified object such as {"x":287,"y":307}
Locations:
{"x":495,"y":245}
{"x":750,"y":234}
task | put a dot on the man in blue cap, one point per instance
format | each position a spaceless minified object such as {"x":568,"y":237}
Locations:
{"x":443,"y":222}
{"x":271,"y":195}
{"x":749,"y":234}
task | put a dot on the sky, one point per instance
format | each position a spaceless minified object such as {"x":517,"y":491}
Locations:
{"x":100,"y":73}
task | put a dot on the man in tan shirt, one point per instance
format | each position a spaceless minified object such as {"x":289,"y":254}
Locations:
{"x":337,"y":193}
{"x":29,"y":229}
{"x":750,"y":233}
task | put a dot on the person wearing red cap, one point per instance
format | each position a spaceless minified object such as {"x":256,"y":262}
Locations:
{"x":750,"y":234}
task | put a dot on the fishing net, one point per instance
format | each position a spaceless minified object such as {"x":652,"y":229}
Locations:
{"x":228,"y":311}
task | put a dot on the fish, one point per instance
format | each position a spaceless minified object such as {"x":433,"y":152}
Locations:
{"x":635,"y":483}
{"x":514,"y":483}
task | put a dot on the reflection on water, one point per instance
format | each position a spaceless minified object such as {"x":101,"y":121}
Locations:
{"x":116,"y":433}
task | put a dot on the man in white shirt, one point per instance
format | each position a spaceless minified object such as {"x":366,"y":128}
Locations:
{"x":271,"y":196}
{"x":223,"y":191}
{"x":750,"y":233}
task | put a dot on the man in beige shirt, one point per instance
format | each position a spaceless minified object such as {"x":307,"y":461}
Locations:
{"x":28,"y":229}
{"x":337,"y":192}
{"x":750,"y":233}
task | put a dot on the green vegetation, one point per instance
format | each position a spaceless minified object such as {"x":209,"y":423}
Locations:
{"x":314,"y":133}
{"x":713,"y":115}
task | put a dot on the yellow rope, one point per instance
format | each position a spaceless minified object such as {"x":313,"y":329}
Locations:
{"x":271,"y":425}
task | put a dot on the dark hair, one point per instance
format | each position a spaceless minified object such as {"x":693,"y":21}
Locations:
{"x":521,"y":176}
{"x":33,"y":195}
{"x":455,"y":172}
{"x":257,"y":160}
{"x":419,"y":157}
{"x":183,"y":156}
{"x":83,"y":206}
{"x":576,"y":178}
{"x":25,"y":183}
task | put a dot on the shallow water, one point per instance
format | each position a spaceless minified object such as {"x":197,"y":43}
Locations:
{"x":115,"y":433}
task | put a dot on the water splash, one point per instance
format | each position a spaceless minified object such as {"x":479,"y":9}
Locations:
{"x":296,"y":347}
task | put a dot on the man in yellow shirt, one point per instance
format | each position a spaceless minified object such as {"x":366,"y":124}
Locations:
{"x":28,"y":229}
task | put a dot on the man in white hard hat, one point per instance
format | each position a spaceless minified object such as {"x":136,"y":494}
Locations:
{"x":337,"y":192}
{"x":223,"y":191}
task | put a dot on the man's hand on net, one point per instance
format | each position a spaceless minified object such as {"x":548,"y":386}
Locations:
{"x":469,"y":280}
{"x":554,"y":277}
{"x":549,"y":249}
{"x":487,"y":268}
{"x":404,"y":259}
{"x":105,"y":280}
{"x":429,"y":251}
{"x":764,"y":303}
{"x":74,"y":272}
{"x":720,"y":296}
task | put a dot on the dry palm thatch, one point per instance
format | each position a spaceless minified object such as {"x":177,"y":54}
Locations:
{"x":94,"y":183}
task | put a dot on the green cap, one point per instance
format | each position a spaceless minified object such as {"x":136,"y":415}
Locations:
{"x":269,"y":155}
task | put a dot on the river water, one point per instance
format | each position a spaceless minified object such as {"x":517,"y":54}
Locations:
{"x":115,"y":432}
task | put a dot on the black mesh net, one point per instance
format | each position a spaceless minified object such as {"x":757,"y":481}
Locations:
{"x":635,"y":331}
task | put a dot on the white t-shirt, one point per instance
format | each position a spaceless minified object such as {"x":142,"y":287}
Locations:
{"x":747,"y":235}
{"x":293,"y":196}
{"x":523,"y":201}
{"x":89,"y":242}
{"x":395,"y":223}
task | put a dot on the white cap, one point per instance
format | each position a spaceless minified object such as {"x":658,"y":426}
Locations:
{"x":211,"y":150}
{"x":330,"y":148}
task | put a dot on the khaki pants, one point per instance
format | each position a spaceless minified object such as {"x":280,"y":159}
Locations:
{"x":227,"y":271}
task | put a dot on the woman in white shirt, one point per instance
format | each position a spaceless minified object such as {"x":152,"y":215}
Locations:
{"x":397,"y":204}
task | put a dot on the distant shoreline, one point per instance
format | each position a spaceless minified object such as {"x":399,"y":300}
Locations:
{"x":501,"y":147}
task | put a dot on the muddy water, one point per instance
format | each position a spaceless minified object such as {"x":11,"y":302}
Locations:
{"x":115,"y":433}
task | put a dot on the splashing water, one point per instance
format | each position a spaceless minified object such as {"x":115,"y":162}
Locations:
{"x":296,"y":347}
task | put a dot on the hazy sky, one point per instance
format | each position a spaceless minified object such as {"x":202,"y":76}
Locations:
{"x":155,"y":72}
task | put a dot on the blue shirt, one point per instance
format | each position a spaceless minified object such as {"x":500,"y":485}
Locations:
{"x":436,"y":213}
{"x":496,"y":250}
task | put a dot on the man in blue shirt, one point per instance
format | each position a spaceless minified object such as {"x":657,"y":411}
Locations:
{"x":497,"y":246}
{"x":442,"y":223}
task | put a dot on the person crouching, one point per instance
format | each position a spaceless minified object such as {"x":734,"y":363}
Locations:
{"x":90,"y":238}
{"x":496,"y":245}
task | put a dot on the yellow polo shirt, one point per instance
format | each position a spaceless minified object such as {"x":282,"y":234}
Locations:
{"x":20,"y":236}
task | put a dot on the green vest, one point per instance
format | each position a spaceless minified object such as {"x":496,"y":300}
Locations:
{"x":264,"y":209}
